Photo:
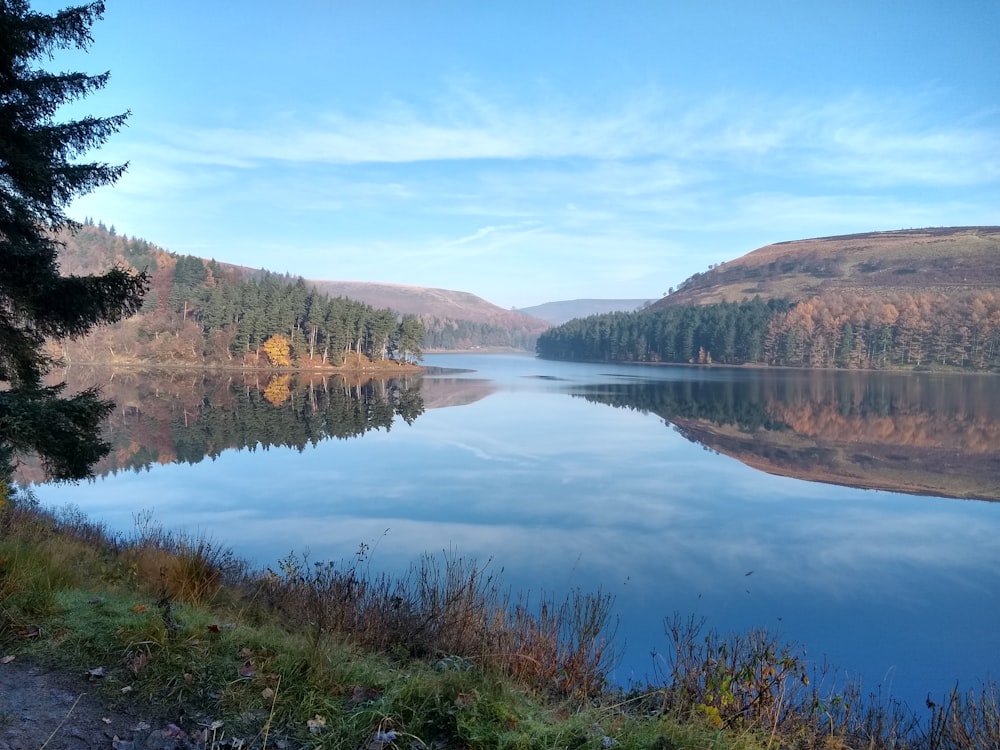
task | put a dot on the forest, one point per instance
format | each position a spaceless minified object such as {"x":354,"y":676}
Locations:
{"x":205,"y":313}
{"x":852,"y":330}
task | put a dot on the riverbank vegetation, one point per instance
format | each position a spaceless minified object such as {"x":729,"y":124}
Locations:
{"x":845,"y":330}
{"x":321,"y":654}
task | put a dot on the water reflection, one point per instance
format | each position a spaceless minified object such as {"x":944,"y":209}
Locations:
{"x":183,"y":416}
{"x":524,"y":464}
{"x":928,"y":435}
{"x":916,"y":434}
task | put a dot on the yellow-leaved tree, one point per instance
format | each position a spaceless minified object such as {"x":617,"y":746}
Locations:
{"x":278,"y":350}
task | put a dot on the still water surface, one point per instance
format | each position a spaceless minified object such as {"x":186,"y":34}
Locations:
{"x":719,"y":493}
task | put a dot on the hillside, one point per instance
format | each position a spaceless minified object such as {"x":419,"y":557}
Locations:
{"x":921,"y":298}
{"x":927,"y":261}
{"x":427,"y":302}
{"x":451,"y":319}
{"x":560,"y":312}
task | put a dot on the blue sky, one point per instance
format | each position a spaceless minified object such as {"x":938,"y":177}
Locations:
{"x":537,"y":151}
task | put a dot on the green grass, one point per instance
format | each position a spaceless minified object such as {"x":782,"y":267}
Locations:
{"x":331,"y":655}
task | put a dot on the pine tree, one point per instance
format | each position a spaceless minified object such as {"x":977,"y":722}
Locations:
{"x":40,"y":174}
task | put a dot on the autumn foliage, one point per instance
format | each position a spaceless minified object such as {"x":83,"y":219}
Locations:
{"x":856,"y":330}
{"x":278,"y":350}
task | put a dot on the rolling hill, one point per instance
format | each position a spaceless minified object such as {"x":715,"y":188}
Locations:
{"x":927,"y":261}
{"x":908,"y":299}
{"x":445,"y":311}
{"x":452,"y":319}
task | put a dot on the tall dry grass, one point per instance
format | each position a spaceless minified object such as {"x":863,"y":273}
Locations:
{"x":450,"y":607}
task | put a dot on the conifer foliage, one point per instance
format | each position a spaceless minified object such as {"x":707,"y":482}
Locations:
{"x":40,"y":173}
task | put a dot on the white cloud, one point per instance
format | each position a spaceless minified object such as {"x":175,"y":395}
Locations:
{"x":473,"y":128}
{"x":640,"y":193}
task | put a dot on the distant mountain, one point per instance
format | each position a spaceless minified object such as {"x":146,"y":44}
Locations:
{"x":924,"y":261}
{"x":558,"y":313}
{"x":453,"y":319}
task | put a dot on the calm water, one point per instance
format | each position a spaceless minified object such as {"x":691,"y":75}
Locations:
{"x":674,"y":489}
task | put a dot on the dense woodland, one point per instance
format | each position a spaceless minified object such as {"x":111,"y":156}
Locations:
{"x":199,"y":312}
{"x":847,"y":330}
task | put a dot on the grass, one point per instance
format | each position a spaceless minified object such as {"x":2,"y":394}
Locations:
{"x":322,"y":654}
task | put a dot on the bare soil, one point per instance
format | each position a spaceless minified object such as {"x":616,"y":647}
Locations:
{"x":42,"y":709}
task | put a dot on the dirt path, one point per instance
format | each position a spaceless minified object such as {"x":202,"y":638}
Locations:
{"x":41,"y":709}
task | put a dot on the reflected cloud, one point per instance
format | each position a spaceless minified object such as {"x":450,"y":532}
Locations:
{"x":561,"y":491}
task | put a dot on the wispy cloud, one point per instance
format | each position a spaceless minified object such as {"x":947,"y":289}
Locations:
{"x":472,"y":128}
{"x":642,"y":192}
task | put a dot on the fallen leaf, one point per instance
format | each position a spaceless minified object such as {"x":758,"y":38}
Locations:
{"x":96,"y":672}
{"x":126,"y":689}
{"x":139,"y":608}
{"x":105,"y":720}
{"x":7,"y":659}
{"x":316,"y":724}
{"x":247,"y":670}
{"x":117,"y":744}
{"x":245,"y":653}
{"x":141,"y":727}
{"x":267,"y":694}
{"x":214,"y":629}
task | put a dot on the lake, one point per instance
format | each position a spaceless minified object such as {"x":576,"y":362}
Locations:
{"x":846,"y":512}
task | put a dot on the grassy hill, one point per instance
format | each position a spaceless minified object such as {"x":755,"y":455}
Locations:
{"x":929,"y":261}
{"x":426,"y":301}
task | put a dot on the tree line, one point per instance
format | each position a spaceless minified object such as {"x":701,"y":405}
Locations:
{"x":201,"y":312}
{"x":849,"y":330}
{"x":729,"y":332}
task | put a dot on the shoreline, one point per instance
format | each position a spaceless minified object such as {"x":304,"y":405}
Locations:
{"x":399,"y":367}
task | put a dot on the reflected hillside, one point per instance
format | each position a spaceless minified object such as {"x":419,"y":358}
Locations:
{"x":929,"y":435}
{"x":184,"y":416}
{"x":439,"y":392}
